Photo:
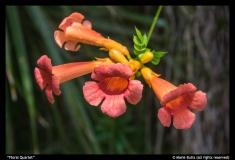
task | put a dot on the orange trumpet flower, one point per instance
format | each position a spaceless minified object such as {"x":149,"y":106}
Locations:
{"x":113,"y":84}
{"x":50,"y":77}
{"x":73,"y":30}
{"x":176,"y":101}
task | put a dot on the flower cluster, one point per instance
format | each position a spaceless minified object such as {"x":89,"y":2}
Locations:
{"x":114,"y":76}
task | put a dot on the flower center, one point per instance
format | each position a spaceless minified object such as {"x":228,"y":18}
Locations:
{"x":182,"y":101}
{"x":114,"y":85}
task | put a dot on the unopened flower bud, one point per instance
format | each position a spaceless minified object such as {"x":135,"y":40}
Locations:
{"x":117,"y":56}
{"x":148,"y":56}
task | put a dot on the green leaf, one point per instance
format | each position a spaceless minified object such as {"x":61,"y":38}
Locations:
{"x":137,"y":41}
{"x":138,"y":33}
{"x":158,"y":54}
{"x":147,"y":50}
{"x":155,"y":61}
{"x":137,"y":52}
{"x":157,"y":57}
{"x":139,"y":48}
{"x":144,"y":40}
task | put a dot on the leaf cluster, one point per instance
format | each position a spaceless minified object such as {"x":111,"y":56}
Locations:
{"x":140,"y":47}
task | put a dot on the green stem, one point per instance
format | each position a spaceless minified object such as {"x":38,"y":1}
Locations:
{"x":154,"y":22}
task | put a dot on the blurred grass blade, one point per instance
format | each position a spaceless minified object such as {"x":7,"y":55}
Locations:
{"x":18,"y":41}
{"x":136,"y":17}
{"x":41,"y":24}
{"x":66,"y":9}
{"x":80,"y":117}
{"x":9,"y":129}
{"x":73,"y":99}
{"x":60,"y":127}
{"x":9,"y":69}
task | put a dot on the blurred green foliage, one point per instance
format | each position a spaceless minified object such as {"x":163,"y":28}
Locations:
{"x":71,"y":125}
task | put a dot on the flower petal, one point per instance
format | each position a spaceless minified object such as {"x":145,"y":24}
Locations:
{"x":113,"y":70}
{"x":92,"y":93}
{"x":199,"y":101}
{"x":45,"y":63}
{"x":87,"y":24}
{"x":99,"y":72}
{"x":134,"y":92}
{"x":59,"y":37}
{"x":183,"y":119}
{"x":119,"y":70}
{"x":43,"y":75}
{"x":114,"y":105}
{"x":40,"y":79}
{"x":68,"y":21}
{"x":77,"y":17}
{"x":45,"y":78}
{"x":164,"y":116}
{"x":55,"y":85}
{"x":72,"y":46}
{"x":182,"y":89}
{"x":49,"y":95}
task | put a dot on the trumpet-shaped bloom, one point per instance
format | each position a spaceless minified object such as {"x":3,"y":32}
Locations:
{"x":176,"y":101}
{"x":113,"y":85}
{"x":73,"y":30}
{"x":50,"y":77}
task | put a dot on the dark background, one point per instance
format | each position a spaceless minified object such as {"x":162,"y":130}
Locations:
{"x":197,"y":41}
